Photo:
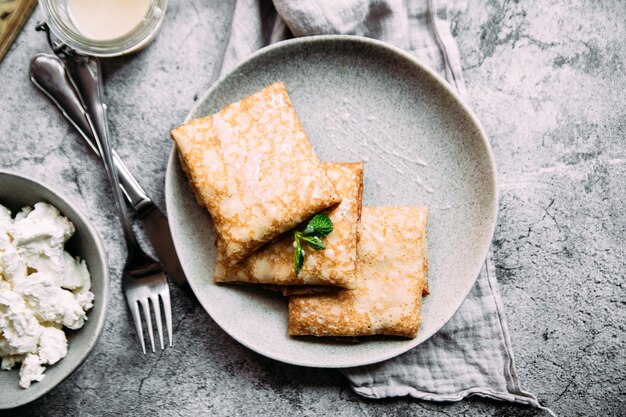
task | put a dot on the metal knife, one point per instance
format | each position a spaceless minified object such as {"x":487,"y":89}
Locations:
{"x":51,"y":76}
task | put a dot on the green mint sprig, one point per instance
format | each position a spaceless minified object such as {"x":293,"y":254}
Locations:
{"x":318,"y":227}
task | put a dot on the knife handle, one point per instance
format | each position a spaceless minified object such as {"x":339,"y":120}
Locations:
{"x":135,"y":195}
{"x":50,"y":75}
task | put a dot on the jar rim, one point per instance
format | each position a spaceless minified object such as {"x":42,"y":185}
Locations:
{"x":132,"y":41}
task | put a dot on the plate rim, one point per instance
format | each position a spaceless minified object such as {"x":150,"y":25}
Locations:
{"x":442,"y":83}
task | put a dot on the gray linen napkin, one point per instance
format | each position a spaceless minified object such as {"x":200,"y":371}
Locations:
{"x":472,"y":354}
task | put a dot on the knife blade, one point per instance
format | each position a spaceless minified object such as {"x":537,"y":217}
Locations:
{"x":157,"y":229}
{"x":51,"y":76}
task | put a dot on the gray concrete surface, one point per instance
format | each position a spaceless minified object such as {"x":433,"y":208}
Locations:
{"x":546,"y":78}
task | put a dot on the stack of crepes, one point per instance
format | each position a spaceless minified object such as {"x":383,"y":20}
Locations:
{"x":253,"y":168}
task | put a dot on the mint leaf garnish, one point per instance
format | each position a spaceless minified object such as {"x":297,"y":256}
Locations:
{"x":298,"y":256}
{"x":314,"y":242}
{"x":319,"y":226}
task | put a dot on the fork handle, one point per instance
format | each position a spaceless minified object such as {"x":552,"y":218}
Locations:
{"x":86,"y":73}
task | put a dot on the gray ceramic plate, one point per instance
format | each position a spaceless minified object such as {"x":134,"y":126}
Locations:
{"x":359,"y":100}
{"x":17,"y":191}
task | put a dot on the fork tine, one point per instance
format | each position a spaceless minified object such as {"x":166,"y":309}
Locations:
{"x":157,"y":315}
{"x":167,"y":308}
{"x":146,"y":315}
{"x":134,"y":308}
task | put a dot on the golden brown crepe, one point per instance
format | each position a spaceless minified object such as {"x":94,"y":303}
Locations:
{"x":391,"y":277}
{"x":253,"y":168}
{"x":334,"y":266}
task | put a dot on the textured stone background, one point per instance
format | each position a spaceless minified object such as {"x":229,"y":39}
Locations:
{"x":547,"y":80}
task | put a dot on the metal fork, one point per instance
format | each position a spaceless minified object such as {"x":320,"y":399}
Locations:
{"x":143,"y":279}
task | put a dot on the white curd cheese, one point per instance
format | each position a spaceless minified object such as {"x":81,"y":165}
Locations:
{"x":42,"y":289}
{"x":31,"y":370}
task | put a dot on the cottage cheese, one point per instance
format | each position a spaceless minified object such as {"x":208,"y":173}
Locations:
{"x":42,"y":289}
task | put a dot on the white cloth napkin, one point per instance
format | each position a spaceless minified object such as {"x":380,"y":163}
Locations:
{"x":472,"y":354}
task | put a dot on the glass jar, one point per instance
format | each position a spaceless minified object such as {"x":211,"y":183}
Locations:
{"x":58,"y":19}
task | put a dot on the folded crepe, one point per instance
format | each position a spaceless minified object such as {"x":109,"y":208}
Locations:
{"x":273,"y":265}
{"x":253,"y":168}
{"x":391,"y":278}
